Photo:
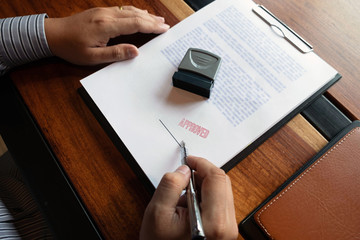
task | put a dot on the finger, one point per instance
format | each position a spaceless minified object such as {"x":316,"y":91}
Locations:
{"x":131,"y":11}
{"x":170,"y":187}
{"x":127,"y":11}
{"x":214,"y":181}
{"x":143,"y":24}
{"x":129,"y":22}
{"x":146,"y":16}
{"x":217,"y":208}
{"x":114,"y":53}
{"x":202,"y":166}
{"x":214,"y":192}
{"x":217,"y":202}
{"x":231,"y":216}
{"x":219,"y":212}
{"x":132,"y":8}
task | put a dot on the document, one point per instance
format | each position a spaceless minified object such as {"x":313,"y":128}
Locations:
{"x":262,"y":78}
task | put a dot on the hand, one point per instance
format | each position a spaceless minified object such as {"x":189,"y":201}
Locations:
{"x":82,"y":38}
{"x":166,"y":218}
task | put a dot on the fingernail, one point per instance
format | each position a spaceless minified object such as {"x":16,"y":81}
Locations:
{"x":132,"y":52}
{"x":183,"y":169}
{"x":161,"y":19}
{"x":165,"y":26}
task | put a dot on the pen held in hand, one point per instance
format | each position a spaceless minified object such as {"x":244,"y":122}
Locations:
{"x":196,"y":227}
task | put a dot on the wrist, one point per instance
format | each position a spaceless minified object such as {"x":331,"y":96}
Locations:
{"x":54,"y":34}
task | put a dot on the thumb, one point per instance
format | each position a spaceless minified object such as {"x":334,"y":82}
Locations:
{"x":114,"y":53}
{"x":170,"y":187}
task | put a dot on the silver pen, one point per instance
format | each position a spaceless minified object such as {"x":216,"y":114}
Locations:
{"x":196,"y":227}
{"x":197,"y":231}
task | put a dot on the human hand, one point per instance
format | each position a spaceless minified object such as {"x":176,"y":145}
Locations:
{"x":82,"y":38}
{"x":166,"y":218}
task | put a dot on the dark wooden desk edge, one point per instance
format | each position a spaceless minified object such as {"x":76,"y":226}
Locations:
{"x":64,"y":211}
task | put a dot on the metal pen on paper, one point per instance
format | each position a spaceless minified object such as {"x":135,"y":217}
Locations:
{"x":196,"y":227}
{"x":197,"y":231}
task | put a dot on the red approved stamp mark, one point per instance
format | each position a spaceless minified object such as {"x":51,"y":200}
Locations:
{"x":194,"y":128}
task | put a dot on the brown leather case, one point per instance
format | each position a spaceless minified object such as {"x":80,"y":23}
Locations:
{"x":323,"y":202}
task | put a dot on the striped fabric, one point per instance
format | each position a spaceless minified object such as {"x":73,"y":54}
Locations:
{"x":22,"y":40}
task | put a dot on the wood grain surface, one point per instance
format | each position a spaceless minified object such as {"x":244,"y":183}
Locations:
{"x":112,"y":193}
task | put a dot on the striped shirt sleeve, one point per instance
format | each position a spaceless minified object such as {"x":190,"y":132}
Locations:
{"x":22,"y":40}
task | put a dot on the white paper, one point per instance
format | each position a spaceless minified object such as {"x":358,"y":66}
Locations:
{"x":262,"y":78}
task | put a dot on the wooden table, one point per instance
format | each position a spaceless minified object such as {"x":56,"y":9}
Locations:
{"x":106,"y":186}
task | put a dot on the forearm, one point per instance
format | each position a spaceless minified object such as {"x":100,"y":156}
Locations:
{"x":22,"y":40}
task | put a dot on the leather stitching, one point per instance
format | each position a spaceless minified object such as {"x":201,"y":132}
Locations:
{"x":300,"y":177}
